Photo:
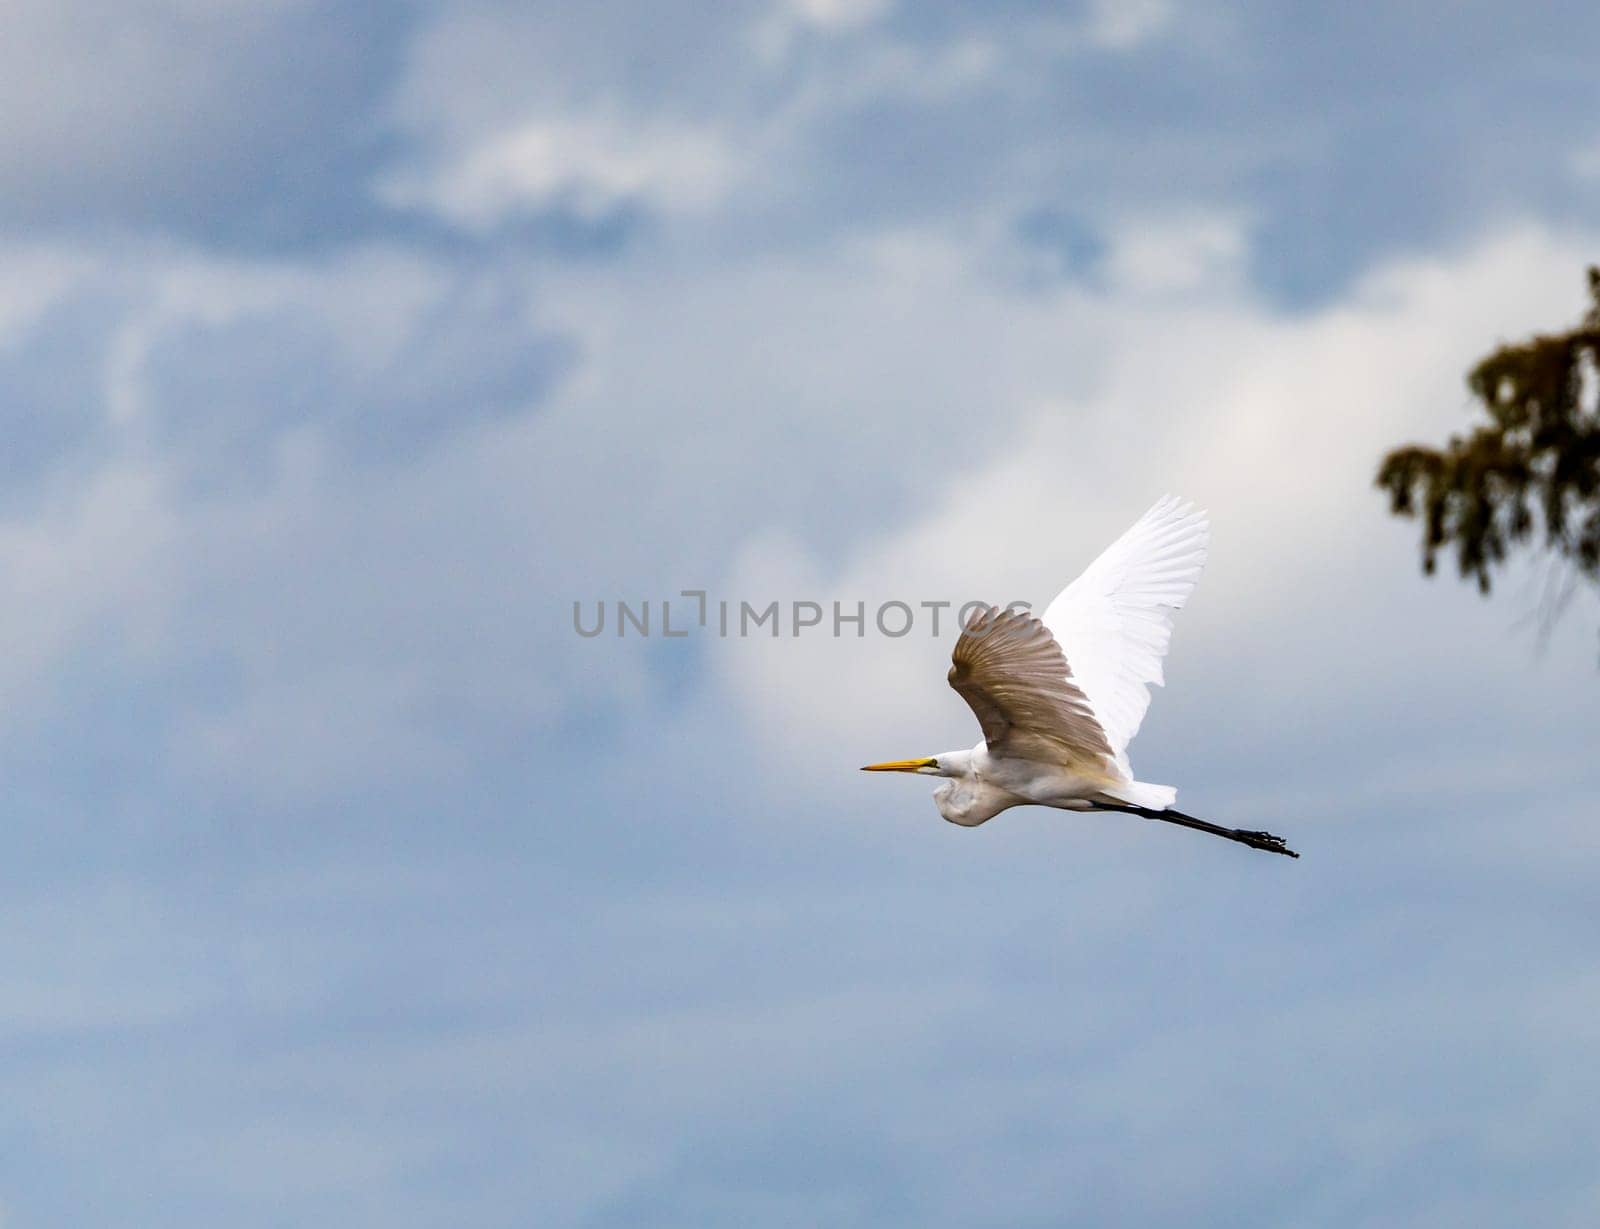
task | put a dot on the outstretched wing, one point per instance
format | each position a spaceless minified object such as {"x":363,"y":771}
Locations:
{"x":1115,"y":621}
{"x":1012,"y":674}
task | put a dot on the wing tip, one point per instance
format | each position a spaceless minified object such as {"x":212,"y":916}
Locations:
{"x":1179,"y":508}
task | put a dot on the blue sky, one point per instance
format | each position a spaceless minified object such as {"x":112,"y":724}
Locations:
{"x":343,"y":346}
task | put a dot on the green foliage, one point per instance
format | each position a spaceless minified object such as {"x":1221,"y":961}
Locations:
{"x":1531,"y":474}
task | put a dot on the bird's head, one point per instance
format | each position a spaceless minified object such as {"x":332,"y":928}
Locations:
{"x":963,"y":798}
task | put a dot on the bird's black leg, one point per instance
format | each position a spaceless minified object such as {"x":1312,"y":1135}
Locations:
{"x":1256,"y":840}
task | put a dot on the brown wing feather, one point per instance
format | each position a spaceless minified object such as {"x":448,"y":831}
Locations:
{"x":1015,"y":678}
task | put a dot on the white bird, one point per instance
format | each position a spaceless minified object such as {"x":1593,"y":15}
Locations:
{"x":1060,"y":698}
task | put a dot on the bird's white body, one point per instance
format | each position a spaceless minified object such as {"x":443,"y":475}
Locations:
{"x":981,"y":785}
{"x":1061,"y":697}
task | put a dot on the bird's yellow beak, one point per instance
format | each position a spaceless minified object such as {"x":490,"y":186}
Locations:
{"x":901,"y":766}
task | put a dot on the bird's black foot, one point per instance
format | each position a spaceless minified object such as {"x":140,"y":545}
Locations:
{"x":1265,"y":840}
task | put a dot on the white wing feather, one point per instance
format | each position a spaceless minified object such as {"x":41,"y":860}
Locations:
{"x":1115,"y":621}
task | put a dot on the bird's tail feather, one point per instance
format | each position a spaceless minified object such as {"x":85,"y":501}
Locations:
{"x":1143,"y":794}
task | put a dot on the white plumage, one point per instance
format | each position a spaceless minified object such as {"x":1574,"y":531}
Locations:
{"x":1060,"y":698}
{"x":1114,"y":622}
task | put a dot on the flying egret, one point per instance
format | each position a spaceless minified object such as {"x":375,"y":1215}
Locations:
{"x":1060,"y":698}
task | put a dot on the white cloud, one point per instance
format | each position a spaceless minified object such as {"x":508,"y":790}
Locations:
{"x":839,"y":14}
{"x":1121,"y":24}
{"x":120,"y":555}
{"x":1176,"y":254}
{"x":35,"y":279}
{"x":101,"y":555}
{"x":588,"y":166}
{"x":1584,"y":162}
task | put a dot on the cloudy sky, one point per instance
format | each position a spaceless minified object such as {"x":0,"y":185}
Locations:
{"x":344,"y":345}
